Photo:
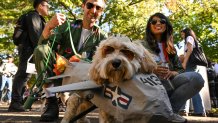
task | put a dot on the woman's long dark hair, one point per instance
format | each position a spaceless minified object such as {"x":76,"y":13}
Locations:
{"x":189,"y":32}
{"x":167,"y":36}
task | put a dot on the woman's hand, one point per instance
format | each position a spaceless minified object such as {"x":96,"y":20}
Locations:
{"x":164,"y":72}
{"x":57,"y":20}
{"x":170,"y":74}
{"x":161,"y":71}
{"x":184,"y":65}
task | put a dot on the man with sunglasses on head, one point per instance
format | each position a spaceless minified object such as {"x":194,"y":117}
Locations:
{"x":34,"y":24}
{"x":86,"y":35}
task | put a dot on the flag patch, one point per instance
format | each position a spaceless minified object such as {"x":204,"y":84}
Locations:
{"x":117,"y":97}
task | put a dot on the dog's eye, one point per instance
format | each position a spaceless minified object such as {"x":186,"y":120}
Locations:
{"x":129,"y":54}
{"x":108,"y":50}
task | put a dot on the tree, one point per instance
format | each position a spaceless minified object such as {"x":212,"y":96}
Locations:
{"x":129,"y":17}
{"x":202,"y":17}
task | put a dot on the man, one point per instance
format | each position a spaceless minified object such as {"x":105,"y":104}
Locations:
{"x":85,"y":37}
{"x":35,"y":23}
{"x":8,"y":70}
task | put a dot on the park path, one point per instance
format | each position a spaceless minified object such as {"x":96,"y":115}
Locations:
{"x":33,"y":116}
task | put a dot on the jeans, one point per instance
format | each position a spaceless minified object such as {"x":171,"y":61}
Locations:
{"x":186,"y":85}
{"x":198,"y":104}
{"x":8,"y":81}
{"x":197,"y":101}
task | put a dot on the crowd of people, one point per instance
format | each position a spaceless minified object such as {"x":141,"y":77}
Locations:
{"x":173,"y":68}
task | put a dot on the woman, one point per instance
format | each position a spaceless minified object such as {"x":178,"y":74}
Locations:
{"x":159,"y":41}
{"x":190,"y":42}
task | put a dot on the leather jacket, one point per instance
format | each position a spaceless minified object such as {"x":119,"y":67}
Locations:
{"x":35,"y":24}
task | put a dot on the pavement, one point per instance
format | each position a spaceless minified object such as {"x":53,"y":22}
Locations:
{"x":33,"y":116}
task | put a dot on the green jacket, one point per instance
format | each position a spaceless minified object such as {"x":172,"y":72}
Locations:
{"x":174,"y":62}
{"x":62,"y":38}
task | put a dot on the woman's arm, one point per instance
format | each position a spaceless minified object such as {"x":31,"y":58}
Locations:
{"x":187,"y":55}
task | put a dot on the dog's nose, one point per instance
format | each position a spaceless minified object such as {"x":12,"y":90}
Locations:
{"x":116,"y":63}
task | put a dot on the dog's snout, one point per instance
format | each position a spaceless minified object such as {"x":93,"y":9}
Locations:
{"x":116,"y":63}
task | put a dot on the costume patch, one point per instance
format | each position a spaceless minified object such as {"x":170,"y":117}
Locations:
{"x":151,"y":80}
{"x":117,"y":97}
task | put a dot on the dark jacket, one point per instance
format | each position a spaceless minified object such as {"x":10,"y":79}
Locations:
{"x":35,"y":24}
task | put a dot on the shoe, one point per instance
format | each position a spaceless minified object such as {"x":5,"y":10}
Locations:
{"x":183,"y":113}
{"x":199,"y":114}
{"x":16,"y":107}
{"x":51,"y":112}
{"x":175,"y":118}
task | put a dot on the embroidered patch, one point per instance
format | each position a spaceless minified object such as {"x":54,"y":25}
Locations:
{"x":68,"y":50}
{"x":151,"y":80}
{"x":75,"y":25}
{"x":117,"y":97}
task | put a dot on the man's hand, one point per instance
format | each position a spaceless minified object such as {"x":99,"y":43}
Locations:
{"x":57,"y":20}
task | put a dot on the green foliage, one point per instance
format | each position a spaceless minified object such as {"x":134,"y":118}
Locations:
{"x":128,"y":17}
{"x":202,"y":17}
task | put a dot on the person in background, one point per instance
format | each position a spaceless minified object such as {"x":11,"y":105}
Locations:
{"x":190,"y":42}
{"x":8,"y":70}
{"x":216,"y":78}
{"x":86,"y":35}
{"x":35,"y":23}
{"x":1,"y":67}
{"x":216,"y":69}
{"x":159,"y":41}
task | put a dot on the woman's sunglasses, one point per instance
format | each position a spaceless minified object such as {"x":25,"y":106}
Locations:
{"x":91,"y":5}
{"x":162,"y":21}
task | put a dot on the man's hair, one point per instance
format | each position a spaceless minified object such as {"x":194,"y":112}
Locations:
{"x":37,"y":2}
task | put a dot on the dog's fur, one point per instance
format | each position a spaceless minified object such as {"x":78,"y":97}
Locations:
{"x":117,"y":59}
{"x":127,"y":59}
{"x":116,"y":66}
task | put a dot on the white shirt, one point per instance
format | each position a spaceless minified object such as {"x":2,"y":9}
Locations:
{"x":191,"y":40}
{"x":84,"y":35}
{"x":161,"y":54}
{"x":9,"y":69}
{"x":216,"y":68}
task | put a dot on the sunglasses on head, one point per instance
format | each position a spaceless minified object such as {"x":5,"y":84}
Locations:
{"x":91,"y":5}
{"x":154,"y":21}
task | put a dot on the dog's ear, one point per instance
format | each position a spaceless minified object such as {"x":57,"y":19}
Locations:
{"x":145,"y":57}
{"x":95,"y":75}
{"x":147,"y":62}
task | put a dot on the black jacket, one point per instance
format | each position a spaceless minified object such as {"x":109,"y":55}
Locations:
{"x":35,"y":24}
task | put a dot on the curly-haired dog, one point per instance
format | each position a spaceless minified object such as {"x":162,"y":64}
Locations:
{"x":117,"y":59}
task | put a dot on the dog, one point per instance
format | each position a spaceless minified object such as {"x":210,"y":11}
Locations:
{"x":116,"y":60}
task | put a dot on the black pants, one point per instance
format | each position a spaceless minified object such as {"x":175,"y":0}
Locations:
{"x":21,"y":77}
